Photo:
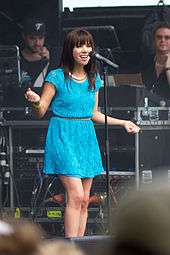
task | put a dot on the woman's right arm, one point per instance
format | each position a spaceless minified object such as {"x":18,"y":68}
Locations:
{"x":41,"y":104}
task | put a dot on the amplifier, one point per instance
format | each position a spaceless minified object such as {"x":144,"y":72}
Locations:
{"x":123,"y":96}
{"x":16,"y":113}
{"x":151,"y":116}
{"x":154,"y":146}
{"x":20,"y":113}
{"x":9,"y":66}
{"x":127,"y":113}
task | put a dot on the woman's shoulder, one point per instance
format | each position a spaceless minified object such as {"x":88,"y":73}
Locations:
{"x":55,"y":76}
{"x":57,"y":71}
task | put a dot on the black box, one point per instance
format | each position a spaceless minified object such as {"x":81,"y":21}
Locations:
{"x":154,"y":147}
{"x":153,"y":150}
{"x":123,"y":96}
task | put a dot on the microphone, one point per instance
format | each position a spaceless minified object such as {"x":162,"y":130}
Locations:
{"x":99,"y":57}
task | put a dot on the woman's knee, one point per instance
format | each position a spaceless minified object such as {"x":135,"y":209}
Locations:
{"x":75,"y":200}
{"x":85,"y":202}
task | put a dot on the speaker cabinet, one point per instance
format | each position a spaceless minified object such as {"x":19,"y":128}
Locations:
{"x":154,"y":149}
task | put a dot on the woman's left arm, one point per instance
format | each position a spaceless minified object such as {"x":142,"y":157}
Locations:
{"x":100,"y":118}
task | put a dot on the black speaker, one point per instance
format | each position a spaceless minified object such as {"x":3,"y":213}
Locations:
{"x":154,"y":149}
{"x":123,"y":96}
{"x":122,"y":148}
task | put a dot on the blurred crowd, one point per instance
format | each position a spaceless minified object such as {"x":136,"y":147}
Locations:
{"x":140,"y":226}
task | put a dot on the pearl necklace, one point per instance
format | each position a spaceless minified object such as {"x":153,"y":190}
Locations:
{"x":76,"y":78}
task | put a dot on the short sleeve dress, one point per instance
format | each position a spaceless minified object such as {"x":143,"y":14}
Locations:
{"x":71,"y":147}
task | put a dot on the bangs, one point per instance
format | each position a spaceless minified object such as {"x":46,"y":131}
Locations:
{"x":83,"y":37}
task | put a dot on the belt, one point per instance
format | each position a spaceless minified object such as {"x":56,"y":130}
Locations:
{"x":71,"y":118}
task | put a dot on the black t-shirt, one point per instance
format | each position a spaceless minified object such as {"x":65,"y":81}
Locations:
{"x":14,"y":96}
{"x":30,"y":70}
{"x":158,"y":85}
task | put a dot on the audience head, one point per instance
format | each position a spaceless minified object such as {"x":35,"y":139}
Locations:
{"x":142,"y":223}
{"x":19,"y":237}
{"x":5,"y":228}
{"x":60,"y":247}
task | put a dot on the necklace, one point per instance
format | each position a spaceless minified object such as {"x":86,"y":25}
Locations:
{"x":77,"y":78}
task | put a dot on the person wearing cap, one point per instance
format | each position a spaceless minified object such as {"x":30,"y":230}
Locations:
{"x":34,"y":57}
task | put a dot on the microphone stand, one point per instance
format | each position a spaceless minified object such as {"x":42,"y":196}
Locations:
{"x":104,"y":64}
{"x":107,"y":146}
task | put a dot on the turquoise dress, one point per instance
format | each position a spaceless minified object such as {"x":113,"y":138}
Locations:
{"x":71,"y":147}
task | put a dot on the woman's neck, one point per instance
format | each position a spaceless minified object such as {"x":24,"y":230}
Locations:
{"x":78,"y":74}
{"x":78,"y":71}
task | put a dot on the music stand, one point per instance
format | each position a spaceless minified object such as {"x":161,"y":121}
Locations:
{"x":105,"y":38}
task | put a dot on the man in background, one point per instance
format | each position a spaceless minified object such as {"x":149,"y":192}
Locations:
{"x":35,"y":56}
{"x":156,"y":68}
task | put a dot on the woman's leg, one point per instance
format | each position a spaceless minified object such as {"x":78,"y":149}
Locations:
{"x":87,"y":183}
{"x":75,"y":194}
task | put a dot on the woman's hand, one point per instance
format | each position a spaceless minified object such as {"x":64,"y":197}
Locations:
{"x":131,"y":127}
{"x":31,"y":96}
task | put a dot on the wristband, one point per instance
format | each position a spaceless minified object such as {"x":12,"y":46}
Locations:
{"x":36,"y":105}
{"x":167,"y":68}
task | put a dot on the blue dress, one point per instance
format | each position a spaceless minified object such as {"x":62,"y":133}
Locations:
{"x":71,"y":147}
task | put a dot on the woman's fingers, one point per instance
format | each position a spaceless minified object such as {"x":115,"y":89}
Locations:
{"x":31,"y":96}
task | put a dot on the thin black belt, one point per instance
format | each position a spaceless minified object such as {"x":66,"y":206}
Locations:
{"x":71,"y":118}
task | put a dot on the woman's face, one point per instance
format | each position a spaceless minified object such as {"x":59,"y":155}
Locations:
{"x":81,"y":54}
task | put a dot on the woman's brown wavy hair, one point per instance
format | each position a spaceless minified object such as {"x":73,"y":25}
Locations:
{"x":74,"y":38}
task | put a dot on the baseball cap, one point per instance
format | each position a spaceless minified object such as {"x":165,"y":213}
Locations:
{"x":34,"y":27}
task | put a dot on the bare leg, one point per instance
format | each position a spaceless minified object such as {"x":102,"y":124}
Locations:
{"x":87,"y":183}
{"x":75,"y":194}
